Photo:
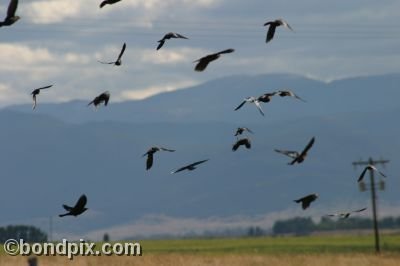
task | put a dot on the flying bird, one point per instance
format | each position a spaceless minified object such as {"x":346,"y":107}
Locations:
{"x":150,"y":152}
{"x":118,"y":62}
{"x":35,"y":92}
{"x":104,"y":97}
{"x":189,"y":167}
{"x":266,"y":97}
{"x":108,"y":2}
{"x":78,"y":209}
{"x":251,"y":100}
{"x":204,"y":61}
{"x":306,"y":201}
{"x":11,"y":18}
{"x":370,"y":168}
{"x":240,"y":130}
{"x":345,"y":215}
{"x":290,"y":94}
{"x":245,"y":142}
{"x":169,"y":36}
{"x":302,"y":156}
{"x":272,"y":28}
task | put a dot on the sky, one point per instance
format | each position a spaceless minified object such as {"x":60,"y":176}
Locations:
{"x":59,"y":42}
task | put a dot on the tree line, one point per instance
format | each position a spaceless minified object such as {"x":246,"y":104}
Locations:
{"x":29,"y":234}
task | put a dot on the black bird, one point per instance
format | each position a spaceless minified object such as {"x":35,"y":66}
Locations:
{"x":204,"y":61}
{"x":272,"y":28}
{"x":78,"y":209}
{"x":118,"y":62}
{"x":345,"y":215}
{"x":251,"y":100}
{"x":11,"y":18}
{"x":104,"y":97}
{"x":266,"y":97}
{"x":370,"y":168}
{"x":35,"y":92}
{"x":189,"y":167}
{"x":302,"y":156}
{"x":306,"y":201}
{"x":150,"y":152}
{"x":245,"y":141}
{"x":290,"y":94}
{"x":108,"y":2}
{"x":240,"y":130}
{"x":169,"y":36}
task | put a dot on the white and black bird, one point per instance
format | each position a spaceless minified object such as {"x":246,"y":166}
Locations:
{"x":345,"y":215}
{"x":251,"y":100}
{"x":189,"y":167}
{"x":203,"y":62}
{"x":35,"y":92}
{"x":169,"y":36}
{"x":306,"y":201}
{"x":302,"y":156}
{"x":291,"y":154}
{"x":150,"y":153}
{"x":102,"y":98}
{"x":370,"y":168}
{"x":242,"y":142}
{"x":78,"y":209}
{"x":272,"y":27}
{"x":11,"y":18}
{"x":108,"y":2}
{"x":118,"y":62}
{"x":288,"y":93}
{"x":241,"y":130}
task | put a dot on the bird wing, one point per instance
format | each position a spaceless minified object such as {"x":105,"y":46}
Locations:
{"x":45,"y":87}
{"x":67,"y":208}
{"x":248,"y":130}
{"x":149,"y":161}
{"x":271,"y":32}
{"x":362,"y":174}
{"x":248,"y":144}
{"x":291,"y":154}
{"x":376,"y":170}
{"x":227,"y":51}
{"x":108,"y":63}
{"x":180,"y":169}
{"x":298,"y":97}
{"x":285,"y":24}
{"x":12,"y":8}
{"x":203,"y":63}
{"x":106,"y":99}
{"x":122,"y":51}
{"x":199,"y":162}
{"x":240,"y":105}
{"x":181,"y":36}
{"x":257,"y":103}
{"x":80,"y":204}
{"x":34,"y":102}
{"x":103,"y":3}
{"x":360,"y":210}
{"x":161,"y":43}
{"x":165,"y":149}
{"x":308,"y":147}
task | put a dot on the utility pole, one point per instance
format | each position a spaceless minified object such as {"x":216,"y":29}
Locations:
{"x":373,"y":193}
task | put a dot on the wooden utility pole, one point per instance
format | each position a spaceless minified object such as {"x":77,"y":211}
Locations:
{"x":373,"y":195}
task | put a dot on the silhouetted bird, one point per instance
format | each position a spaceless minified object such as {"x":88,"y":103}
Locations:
{"x":11,"y":18}
{"x":118,"y":62}
{"x":251,"y":100}
{"x":78,"y":209}
{"x":204,"y":61}
{"x":345,"y":215}
{"x":189,"y":167}
{"x":150,"y":152}
{"x":306,"y":201}
{"x":240,"y":130}
{"x":302,"y":156}
{"x":108,"y":2}
{"x":104,"y":97}
{"x":370,"y":168}
{"x":272,"y":28}
{"x":35,"y":92}
{"x":266,"y":97}
{"x":169,"y":36}
{"x":290,"y":94}
{"x":245,"y":141}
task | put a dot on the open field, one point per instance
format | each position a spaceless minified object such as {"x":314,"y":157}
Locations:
{"x":332,"y":250}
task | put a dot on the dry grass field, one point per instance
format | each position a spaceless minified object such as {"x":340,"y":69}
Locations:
{"x":296,"y":251}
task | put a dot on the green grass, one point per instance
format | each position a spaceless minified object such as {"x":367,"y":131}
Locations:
{"x":273,"y":245}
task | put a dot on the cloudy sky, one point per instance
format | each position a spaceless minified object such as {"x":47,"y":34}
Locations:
{"x":59,"y":42}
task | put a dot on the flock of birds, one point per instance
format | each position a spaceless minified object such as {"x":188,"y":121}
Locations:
{"x":202,"y":63}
